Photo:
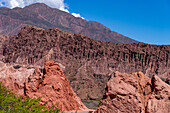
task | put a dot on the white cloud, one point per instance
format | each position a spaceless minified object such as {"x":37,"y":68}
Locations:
{"x":16,"y":3}
{"x":59,"y":4}
{"x":22,"y":3}
{"x":77,"y":15}
{"x":1,"y":5}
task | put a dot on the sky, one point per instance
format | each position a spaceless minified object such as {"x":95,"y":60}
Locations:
{"x":146,"y":21}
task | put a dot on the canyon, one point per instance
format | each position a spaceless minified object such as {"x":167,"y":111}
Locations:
{"x":72,"y":63}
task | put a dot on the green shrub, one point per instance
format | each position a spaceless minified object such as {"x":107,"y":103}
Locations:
{"x":10,"y":103}
{"x":74,"y":79}
{"x":83,"y":83}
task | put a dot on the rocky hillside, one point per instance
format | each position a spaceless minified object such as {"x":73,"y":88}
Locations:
{"x":135,"y":93}
{"x":86,"y":63}
{"x":52,"y":85}
{"x":40,"y":15}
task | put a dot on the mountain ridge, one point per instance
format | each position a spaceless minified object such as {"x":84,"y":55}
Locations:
{"x":41,"y":15}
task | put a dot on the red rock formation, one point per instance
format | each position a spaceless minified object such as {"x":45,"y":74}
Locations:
{"x":159,"y":101}
{"x":14,"y":76}
{"x":135,"y":93}
{"x":52,"y":86}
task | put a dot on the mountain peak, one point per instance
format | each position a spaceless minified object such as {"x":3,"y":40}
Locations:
{"x":38,"y":5}
{"x":43,"y":16}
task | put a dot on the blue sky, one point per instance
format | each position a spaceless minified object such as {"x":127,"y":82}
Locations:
{"x":143,"y":20}
{"x":146,"y":21}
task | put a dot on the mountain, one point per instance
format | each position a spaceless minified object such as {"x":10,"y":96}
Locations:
{"x":86,"y":63}
{"x":41,"y":15}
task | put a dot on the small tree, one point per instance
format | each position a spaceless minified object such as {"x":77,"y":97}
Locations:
{"x":10,"y":103}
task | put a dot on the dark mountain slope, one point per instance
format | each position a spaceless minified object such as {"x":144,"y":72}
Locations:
{"x":40,"y":15}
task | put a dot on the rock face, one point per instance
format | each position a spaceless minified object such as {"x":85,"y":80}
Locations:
{"x":159,"y":101}
{"x":87,"y":63}
{"x":3,"y":38}
{"x":52,"y":85}
{"x":40,"y":15}
{"x":135,"y":93}
{"x":14,"y":76}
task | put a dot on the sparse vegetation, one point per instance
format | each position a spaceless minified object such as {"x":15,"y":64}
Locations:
{"x":83,"y":83}
{"x":99,"y":99}
{"x":10,"y":103}
{"x":90,"y":111}
{"x":74,"y":79}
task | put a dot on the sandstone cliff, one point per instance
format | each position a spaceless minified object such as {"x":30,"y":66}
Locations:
{"x":52,"y":85}
{"x":135,"y":93}
{"x":86,"y":63}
